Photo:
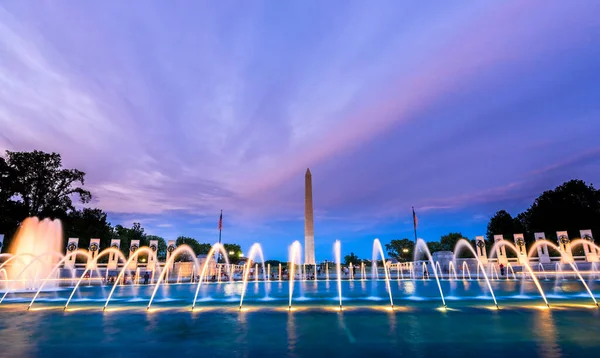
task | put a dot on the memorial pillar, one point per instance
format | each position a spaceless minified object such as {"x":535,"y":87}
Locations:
{"x":133,"y":247}
{"x":72,"y":245}
{"x":564,"y":244}
{"x":113,"y":257}
{"x":591,"y":254}
{"x":542,"y":248}
{"x":480,"y":249}
{"x":151,"y":258}
{"x":501,"y":250}
{"x":94,"y":250}
{"x":521,"y":248}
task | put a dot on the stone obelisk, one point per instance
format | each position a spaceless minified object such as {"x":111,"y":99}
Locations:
{"x":309,"y":226}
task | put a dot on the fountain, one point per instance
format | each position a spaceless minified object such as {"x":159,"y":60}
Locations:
{"x":255,"y":269}
{"x":462,"y":243}
{"x":452,"y":270}
{"x":337,"y":247}
{"x":568,"y":258}
{"x":182,"y":249}
{"x":465,"y":268}
{"x":378,"y":249}
{"x":295,"y":259}
{"x":254,"y":251}
{"x":503,"y":243}
{"x":423,"y":246}
{"x":35,"y":238}
{"x":108,"y":251}
{"x":215,"y":249}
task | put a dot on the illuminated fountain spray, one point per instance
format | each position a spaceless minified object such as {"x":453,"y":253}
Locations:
{"x":294,"y":259}
{"x":163,"y":274}
{"x":423,"y":246}
{"x":501,"y":243}
{"x":466,"y":270}
{"x":570,"y":262}
{"x":378,"y":250}
{"x":438,"y":268}
{"x":35,"y":238}
{"x":27,"y":267}
{"x":142,"y":250}
{"x":510,"y":268}
{"x":541,"y":269}
{"x":463,"y":243}
{"x":216,"y":248}
{"x":254,"y":251}
{"x":54,"y":270}
{"x":110,"y":250}
{"x":363,"y":272}
{"x":338,"y":268}
{"x":452,"y":270}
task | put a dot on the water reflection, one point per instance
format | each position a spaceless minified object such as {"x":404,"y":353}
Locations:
{"x":344,"y":328}
{"x":546,"y":334}
{"x":291,"y":333}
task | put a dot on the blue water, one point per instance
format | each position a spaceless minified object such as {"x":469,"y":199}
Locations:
{"x":417,"y":328}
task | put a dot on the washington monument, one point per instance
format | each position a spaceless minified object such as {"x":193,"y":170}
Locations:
{"x":309,"y":225}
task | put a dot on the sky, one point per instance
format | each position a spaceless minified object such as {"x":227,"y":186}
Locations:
{"x":178,"y":109}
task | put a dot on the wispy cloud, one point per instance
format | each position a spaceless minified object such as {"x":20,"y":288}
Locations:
{"x":451,"y":109}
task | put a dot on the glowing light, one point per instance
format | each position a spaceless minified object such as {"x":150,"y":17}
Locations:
{"x":231,"y":253}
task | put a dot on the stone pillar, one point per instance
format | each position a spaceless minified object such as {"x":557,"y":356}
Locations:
{"x":113,"y":258}
{"x":1,"y":242}
{"x":309,"y":226}
{"x":151,"y":260}
{"x":94,"y":249}
{"x":591,"y":253}
{"x":521,"y":248}
{"x":133,"y":247}
{"x":501,"y":251}
{"x":72,"y":245}
{"x":542,"y":248}
{"x":480,"y":249}
{"x":564,"y":244}
{"x":170,"y":248}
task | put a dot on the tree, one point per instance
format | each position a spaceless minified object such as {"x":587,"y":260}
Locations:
{"x":199,"y":249}
{"x":234,"y":251}
{"x":161,"y":251}
{"x":571,"y":206}
{"x":351,"y":259}
{"x":87,"y":224}
{"x":433,"y":246}
{"x":41,"y":183}
{"x":502,"y":223}
{"x":126,"y":235}
{"x":402,"y":250}
{"x":35,"y":184}
{"x":274,"y":263}
{"x":11,"y":212}
{"x":448,"y":241}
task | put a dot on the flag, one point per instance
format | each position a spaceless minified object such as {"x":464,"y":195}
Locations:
{"x":221,"y":221}
{"x":415,"y":220}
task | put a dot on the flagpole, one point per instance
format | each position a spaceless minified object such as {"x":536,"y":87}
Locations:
{"x":414,"y":223}
{"x":220,"y":229}
{"x":220,"y":225}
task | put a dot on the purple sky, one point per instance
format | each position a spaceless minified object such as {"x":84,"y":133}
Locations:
{"x":178,"y":109}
